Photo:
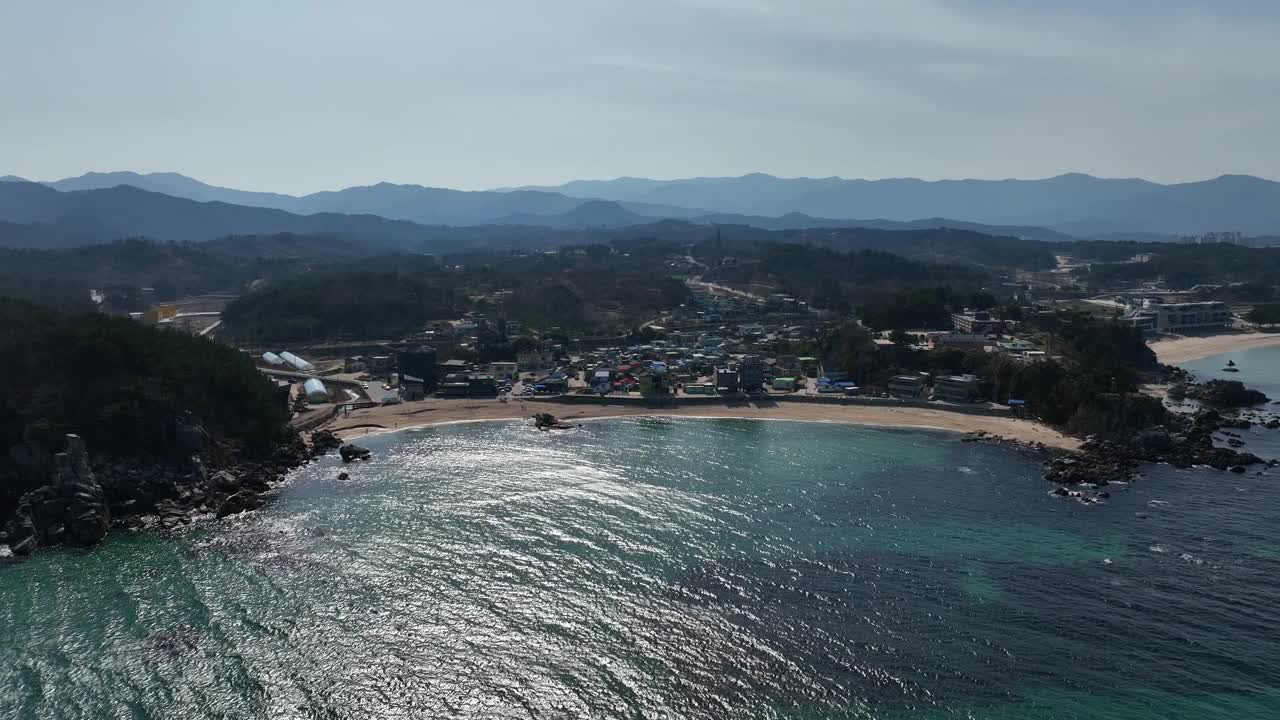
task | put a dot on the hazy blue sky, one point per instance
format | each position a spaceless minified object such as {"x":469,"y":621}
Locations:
{"x":301,"y":96}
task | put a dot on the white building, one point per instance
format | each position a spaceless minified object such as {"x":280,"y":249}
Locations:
{"x":503,"y":370}
{"x":296,"y":362}
{"x":534,"y":360}
{"x":316,"y":391}
{"x":1182,"y":317}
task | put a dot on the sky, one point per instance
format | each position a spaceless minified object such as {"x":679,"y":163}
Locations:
{"x":298,"y":96}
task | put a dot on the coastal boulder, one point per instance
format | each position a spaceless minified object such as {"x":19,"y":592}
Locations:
{"x":242,"y":501}
{"x":72,"y":508}
{"x":1226,"y":393}
{"x":1153,"y":438}
{"x":322,"y":441}
{"x":547,"y":421}
{"x":21,"y":531}
{"x":86,"y":517}
{"x":224,"y":481}
{"x":353,"y":452}
{"x":1100,"y":463}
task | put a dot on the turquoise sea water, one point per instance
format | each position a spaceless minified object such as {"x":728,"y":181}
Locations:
{"x":1259,"y":368}
{"x":651,"y":568}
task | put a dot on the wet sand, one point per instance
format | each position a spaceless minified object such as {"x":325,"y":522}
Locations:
{"x":436,"y":411}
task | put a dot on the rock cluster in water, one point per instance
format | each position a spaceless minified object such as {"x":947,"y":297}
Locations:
{"x":1190,"y":443}
{"x":547,"y":421}
{"x":1220,"y":393}
{"x":83,"y":496}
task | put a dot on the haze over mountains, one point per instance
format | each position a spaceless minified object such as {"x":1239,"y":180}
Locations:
{"x":98,"y":207}
{"x":424,"y":205}
{"x":1077,"y":204}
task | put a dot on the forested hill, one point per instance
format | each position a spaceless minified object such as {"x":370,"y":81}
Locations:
{"x":601,"y":288}
{"x":120,"y":385}
{"x":577,"y":288}
{"x":63,"y":278}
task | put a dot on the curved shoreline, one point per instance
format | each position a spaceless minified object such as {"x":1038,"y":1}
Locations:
{"x":439,"y":412}
{"x":1172,"y":351}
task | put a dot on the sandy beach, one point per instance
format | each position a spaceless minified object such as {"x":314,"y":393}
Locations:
{"x":1193,"y":347}
{"x":435,"y":411}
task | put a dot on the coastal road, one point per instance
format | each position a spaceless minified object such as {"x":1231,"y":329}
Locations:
{"x":716,"y":289}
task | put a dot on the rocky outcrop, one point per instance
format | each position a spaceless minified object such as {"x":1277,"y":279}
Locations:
{"x":242,"y":501}
{"x":71,"y":509}
{"x":1154,"y":439}
{"x":322,"y":441}
{"x":87,"y":517}
{"x":1097,"y":467}
{"x":353,"y":452}
{"x":79,"y":502}
{"x":1190,"y":443}
{"x":1225,"y":393}
{"x":547,"y":421}
{"x":224,"y":481}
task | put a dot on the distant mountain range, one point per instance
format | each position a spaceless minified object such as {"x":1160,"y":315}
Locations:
{"x":1079,"y":205}
{"x":103,"y":206}
{"x":606,"y":213}
{"x":423,"y":205}
{"x":34,"y":215}
{"x":66,"y":214}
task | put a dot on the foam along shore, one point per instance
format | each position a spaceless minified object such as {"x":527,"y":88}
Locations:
{"x":1194,"y":347}
{"x":437,"y":411}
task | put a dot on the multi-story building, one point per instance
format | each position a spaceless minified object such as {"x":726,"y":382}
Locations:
{"x":419,"y":363}
{"x":961,"y":340}
{"x":1182,"y":317}
{"x":956,"y":388}
{"x":726,"y":379}
{"x":534,"y":360}
{"x":976,"y":323}
{"x":751,"y":373}
{"x":907,"y":387}
{"x":503,"y":370}
{"x":1192,"y":316}
{"x":653,"y":384}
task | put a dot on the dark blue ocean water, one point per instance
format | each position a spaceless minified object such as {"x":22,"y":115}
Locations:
{"x":652,"y":568}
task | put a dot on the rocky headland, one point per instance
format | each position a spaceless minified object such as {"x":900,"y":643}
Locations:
{"x":1181,"y":439}
{"x":85,"y":496}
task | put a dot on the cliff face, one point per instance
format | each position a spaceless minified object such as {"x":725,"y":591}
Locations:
{"x":76,"y":503}
{"x":71,"y":509}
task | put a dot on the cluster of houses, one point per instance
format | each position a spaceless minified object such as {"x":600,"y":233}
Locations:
{"x":695,"y":356}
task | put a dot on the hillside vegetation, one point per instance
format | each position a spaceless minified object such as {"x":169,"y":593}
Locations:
{"x":121,"y":385}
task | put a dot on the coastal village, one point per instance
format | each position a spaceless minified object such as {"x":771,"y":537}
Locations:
{"x":727,"y":347}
